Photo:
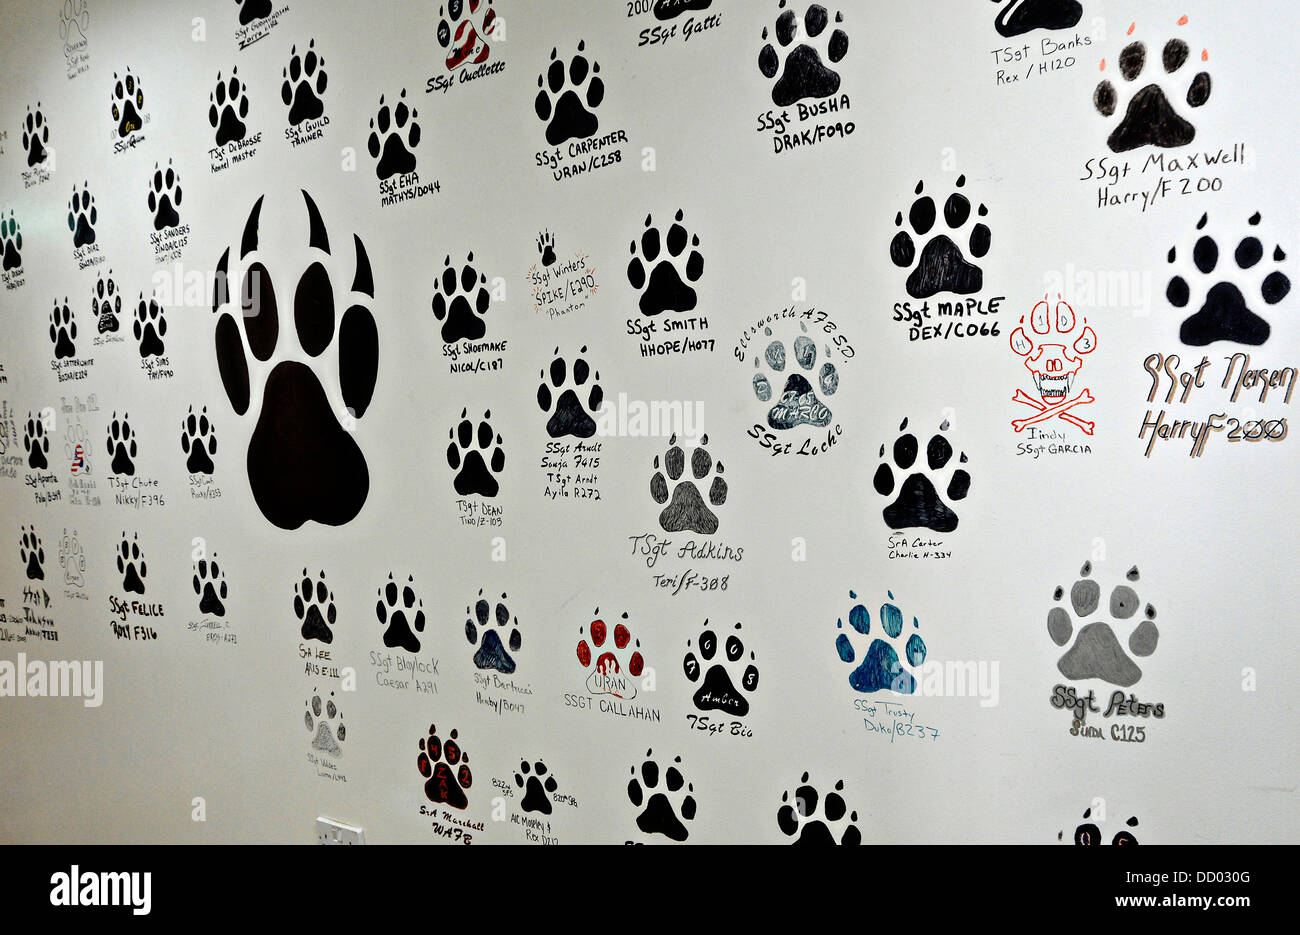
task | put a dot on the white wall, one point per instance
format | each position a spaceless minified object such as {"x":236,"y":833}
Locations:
{"x":185,"y":718}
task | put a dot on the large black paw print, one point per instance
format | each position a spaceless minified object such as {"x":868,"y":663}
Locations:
{"x":401,"y":613}
{"x":106,"y":304}
{"x":228,"y":108}
{"x":1224,"y":315}
{"x":717,"y":689}
{"x":803,"y":74}
{"x":304,"y":83}
{"x":149,"y":327}
{"x":63,"y":330}
{"x":666,"y":288}
{"x":918,"y":503}
{"x":661,"y":814}
{"x":393,"y":134}
{"x":297,"y":426}
{"x":121,"y":445}
{"x":36,"y":443}
{"x":460,"y":301}
{"x":36,"y":136}
{"x":569,"y":416}
{"x":942,"y":267}
{"x":130,"y":564}
{"x":313,"y":605}
{"x":82,"y":216}
{"x":476,"y":470}
{"x":127,"y":100}
{"x":12,"y":240}
{"x":1150,"y":119}
{"x":198,"y":441}
{"x":562,"y":102}
{"x":164,"y":197}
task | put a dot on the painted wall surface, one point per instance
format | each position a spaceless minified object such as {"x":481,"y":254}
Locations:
{"x":583,"y":422}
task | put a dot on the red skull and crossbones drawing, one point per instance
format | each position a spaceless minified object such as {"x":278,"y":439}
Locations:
{"x":1053,"y":365}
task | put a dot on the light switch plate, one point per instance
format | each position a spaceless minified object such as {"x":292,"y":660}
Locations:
{"x":331,"y":831}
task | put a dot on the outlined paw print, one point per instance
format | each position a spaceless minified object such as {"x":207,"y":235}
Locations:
{"x":1021,"y":16}
{"x":31,"y":554}
{"x":210,"y":586}
{"x":436,"y":762}
{"x":546,"y":247}
{"x":688,"y":511}
{"x":164,"y":197}
{"x":82,"y":216}
{"x":130,"y":564}
{"x":538,"y":787}
{"x":717,"y":690}
{"x":149,"y":327}
{"x":1088,"y":834}
{"x":1224,"y":315}
{"x":313,"y":605}
{"x":942,"y":266}
{"x":460,"y":301}
{"x":327,"y":720}
{"x":803,"y":73}
{"x":476,"y":470}
{"x":665,"y":290}
{"x":386,"y":141}
{"x":462,"y":40}
{"x":918,"y":503}
{"x":663,"y":809}
{"x":1096,"y":653}
{"x":610,"y":665}
{"x":74,"y":20}
{"x":121,"y":445}
{"x":1150,"y":119}
{"x":811,"y":818}
{"x":798,"y":403}
{"x":557,"y":394}
{"x":296,"y":422}
{"x":401,"y":612}
{"x":36,"y":136}
{"x":106,"y":304}
{"x":63,"y":330}
{"x":491,"y":653}
{"x":228,"y":108}
{"x":304,"y":83}
{"x":880,"y":668}
{"x":36,"y":443}
{"x":12,"y":240}
{"x":198,"y":441}
{"x":562,"y":103}
{"x":72,"y":559}
{"x":127,"y":100}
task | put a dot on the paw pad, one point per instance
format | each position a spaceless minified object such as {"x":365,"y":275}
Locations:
{"x":1096,"y":652}
{"x":664,"y":797}
{"x":445,"y":767}
{"x":567,"y":97}
{"x":688,"y":511}
{"x":803,"y":71}
{"x":918,"y":503}
{"x":717,"y":689}
{"x":881,"y":668}
{"x":480,"y":632}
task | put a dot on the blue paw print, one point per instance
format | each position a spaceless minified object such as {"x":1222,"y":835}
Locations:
{"x":880,"y":668}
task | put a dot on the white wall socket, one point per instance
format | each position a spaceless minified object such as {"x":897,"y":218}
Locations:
{"x":330,"y":831}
